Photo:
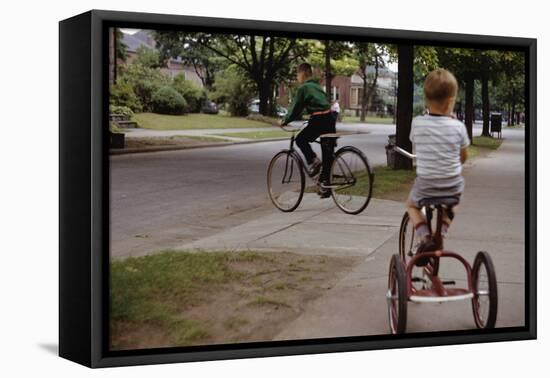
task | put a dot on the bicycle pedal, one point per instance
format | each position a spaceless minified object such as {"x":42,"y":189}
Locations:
{"x":450,"y":282}
{"x":418,"y":279}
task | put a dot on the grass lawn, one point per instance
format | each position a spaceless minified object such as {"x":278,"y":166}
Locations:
{"x":151,"y":290}
{"x":388,"y":183}
{"x":267,"y":134}
{"x":193,"y":121}
{"x":483,"y":144}
{"x":178,"y":298}
{"x":396,"y":183}
{"x":380,"y":120}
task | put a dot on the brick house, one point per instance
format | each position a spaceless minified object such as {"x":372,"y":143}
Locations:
{"x":348,"y":90}
{"x":143,"y":38}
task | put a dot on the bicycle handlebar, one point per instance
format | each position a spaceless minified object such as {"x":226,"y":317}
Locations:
{"x":294,"y":126}
{"x":404,"y":152}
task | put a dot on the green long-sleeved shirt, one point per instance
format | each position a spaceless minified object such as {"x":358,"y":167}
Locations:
{"x":309,"y":97}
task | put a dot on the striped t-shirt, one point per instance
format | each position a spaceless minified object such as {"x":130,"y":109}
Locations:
{"x":438,"y":140}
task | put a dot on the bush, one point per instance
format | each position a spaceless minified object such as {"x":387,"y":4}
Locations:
{"x":144,"y":81}
{"x":193,"y":95}
{"x":122,"y":110}
{"x":168,"y":101}
{"x":233,"y":88}
{"x":144,"y":90}
{"x":113,"y":128}
{"x":122,"y":94}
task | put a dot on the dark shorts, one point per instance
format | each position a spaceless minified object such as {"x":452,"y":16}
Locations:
{"x":429,"y":188}
{"x":318,"y":125}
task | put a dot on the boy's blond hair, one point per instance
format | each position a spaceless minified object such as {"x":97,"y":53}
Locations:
{"x":440,"y":85}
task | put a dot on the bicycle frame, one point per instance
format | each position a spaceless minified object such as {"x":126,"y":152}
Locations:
{"x":292,"y":150}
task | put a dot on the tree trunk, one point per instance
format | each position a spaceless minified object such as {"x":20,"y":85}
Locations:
{"x":405,"y":95}
{"x":364,"y":99}
{"x":512,"y":113}
{"x":328,"y":74}
{"x":469,"y":106}
{"x":264,"y":91}
{"x":485,"y":104}
{"x":115,"y":57}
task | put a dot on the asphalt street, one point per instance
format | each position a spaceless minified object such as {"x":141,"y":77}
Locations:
{"x":161,"y":199}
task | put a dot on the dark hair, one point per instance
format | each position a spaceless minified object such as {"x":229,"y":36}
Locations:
{"x":305,"y":68}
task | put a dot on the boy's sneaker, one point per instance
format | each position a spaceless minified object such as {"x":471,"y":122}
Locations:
{"x":426,"y":245}
{"x":315,"y":167}
{"x":323,"y":192}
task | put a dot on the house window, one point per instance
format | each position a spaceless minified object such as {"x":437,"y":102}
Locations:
{"x":335,"y":93}
{"x":356,"y":95}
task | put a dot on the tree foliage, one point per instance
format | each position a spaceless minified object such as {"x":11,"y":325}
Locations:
{"x":148,"y":57}
{"x":264,"y":60}
{"x":234,"y":88}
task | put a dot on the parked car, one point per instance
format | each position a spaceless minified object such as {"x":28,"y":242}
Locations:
{"x":210,"y":107}
{"x":254,"y":107}
{"x":281,"y":111}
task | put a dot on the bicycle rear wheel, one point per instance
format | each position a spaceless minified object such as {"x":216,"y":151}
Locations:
{"x":351,"y":180}
{"x":285,"y":181}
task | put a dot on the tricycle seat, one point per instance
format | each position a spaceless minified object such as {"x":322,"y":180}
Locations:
{"x":437,"y":201}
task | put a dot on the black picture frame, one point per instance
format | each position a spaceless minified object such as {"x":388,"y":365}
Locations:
{"x":84,"y":191}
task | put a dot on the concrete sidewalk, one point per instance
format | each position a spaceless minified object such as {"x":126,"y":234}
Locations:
{"x":490,"y":218}
{"x":305,"y":230}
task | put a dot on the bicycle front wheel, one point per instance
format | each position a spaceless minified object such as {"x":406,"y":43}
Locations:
{"x":285,"y":181}
{"x":351,"y":180}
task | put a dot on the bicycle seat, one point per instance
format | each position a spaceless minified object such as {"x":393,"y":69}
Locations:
{"x":436,"y":201}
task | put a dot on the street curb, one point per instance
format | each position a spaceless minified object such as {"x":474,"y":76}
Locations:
{"x":113,"y":152}
{"x":177,"y":148}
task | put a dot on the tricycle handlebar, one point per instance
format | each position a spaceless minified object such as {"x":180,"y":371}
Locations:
{"x":404,"y":152}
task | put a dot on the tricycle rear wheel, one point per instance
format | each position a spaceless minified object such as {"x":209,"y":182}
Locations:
{"x":485,"y":300}
{"x":397,"y":296}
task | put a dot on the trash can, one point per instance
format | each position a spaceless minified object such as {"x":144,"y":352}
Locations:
{"x":117,"y":140}
{"x":496,"y":124}
{"x":390,"y":152}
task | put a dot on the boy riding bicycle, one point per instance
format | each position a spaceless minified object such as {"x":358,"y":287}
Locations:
{"x":311,"y":98}
{"x":440,"y":142}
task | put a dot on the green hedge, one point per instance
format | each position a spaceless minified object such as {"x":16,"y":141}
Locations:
{"x":122,"y":110}
{"x":193,"y":95}
{"x":122,"y":94}
{"x":168,"y":101}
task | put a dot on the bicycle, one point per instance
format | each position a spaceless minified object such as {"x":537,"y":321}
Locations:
{"x":350,"y":177}
{"x":422,"y":284}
